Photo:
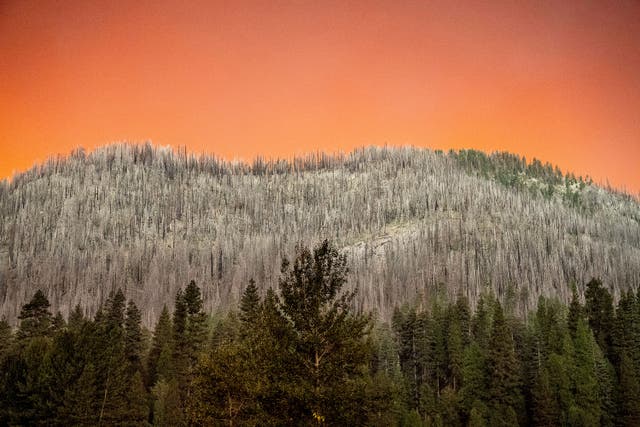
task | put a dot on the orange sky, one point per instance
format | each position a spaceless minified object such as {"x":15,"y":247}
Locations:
{"x":556,"y":80}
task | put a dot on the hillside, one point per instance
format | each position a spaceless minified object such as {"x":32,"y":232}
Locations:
{"x":412,"y":222}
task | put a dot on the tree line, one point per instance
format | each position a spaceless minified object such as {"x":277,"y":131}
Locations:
{"x":302,"y":354}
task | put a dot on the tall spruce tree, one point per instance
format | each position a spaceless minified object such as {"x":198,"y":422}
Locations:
{"x":161,"y":348}
{"x":587,"y":400}
{"x":599,"y":311}
{"x":133,"y":338}
{"x":576,"y":311}
{"x":328,"y":335}
{"x":505,"y":393}
{"x":250,"y":304}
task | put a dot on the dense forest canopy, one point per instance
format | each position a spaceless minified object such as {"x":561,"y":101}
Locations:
{"x":413,"y":223}
{"x":303,"y":354}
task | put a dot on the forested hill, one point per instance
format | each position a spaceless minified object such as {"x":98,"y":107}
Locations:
{"x":413,"y":222}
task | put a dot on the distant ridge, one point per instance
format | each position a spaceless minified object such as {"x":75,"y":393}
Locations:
{"x":414,"y":223}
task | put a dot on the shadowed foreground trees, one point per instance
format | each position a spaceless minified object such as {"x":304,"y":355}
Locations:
{"x":297,"y":358}
{"x":301,"y":355}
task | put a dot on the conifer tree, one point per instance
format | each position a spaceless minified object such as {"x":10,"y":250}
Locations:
{"x":160,"y":355}
{"x":576,"y":311}
{"x":136,"y":411}
{"x":196,"y":328}
{"x":76,"y":319}
{"x":481,"y":323}
{"x":474,"y":378}
{"x":111,"y":366}
{"x":250,"y":304}
{"x":626,"y":332}
{"x":585,"y":381}
{"x":115,"y":311}
{"x":133,"y":337}
{"x":599,"y":311}
{"x":438,"y":348}
{"x":504,"y":373}
{"x":546,"y":412}
{"x":606,"y":378}
{"x":463,"y":314}
{"x":328,"y":336}
{"x":181,"y":359}
{"x":405,"y":326}
{"x":190,"y":336}
{"x":559,"y":365}
{"x":455,"y":351}
{"x":35,"y":317}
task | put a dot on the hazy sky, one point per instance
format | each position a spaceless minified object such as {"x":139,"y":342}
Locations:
{"x":555,"y":80}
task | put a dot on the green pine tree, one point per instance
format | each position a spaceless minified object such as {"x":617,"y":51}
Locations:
{"x":474,"y":378}
{"x":546,"y":412}
{"x":35,"y":317}
{"x":250,"y":304}
{"x":599,"y":311}
{"x":576,"y":311}
{"x":329,"y":337}
{"x":159,"y":359}
{"x":587,"y":399}
{"x":504,"y":373}
{"x":133,"y":337}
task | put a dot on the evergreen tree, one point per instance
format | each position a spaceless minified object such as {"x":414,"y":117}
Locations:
{"x":504,"y":373}
{"x":559,"y":365}
{"x":606,"y":378}
{"x":585,"y":380}
{"x":438,"y":348}
{"x":405,"y":327}
{"x":181,"y":359}
{"x":133,"y":337}
{"x":111,"y":368}
{"x":35,"y":317}
{"x":76,"y":319}
{"x":481,"y":323}
{"x":161,"y":348}
{"x":196,"y":322}
{"x":136,"y":411}
{"x":250,"y":304}
{"x":474,"y":378}
{"x":626,"y":333}
{"x":576,"y":311}
{"x":190,"y":336}
{"x":599,"y":310}
{"x":115,"y":311}
{"x":328,"y":336}
{"x":546,"y":412}
{"x":463,"y":314}
{"x":455,"y":351}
